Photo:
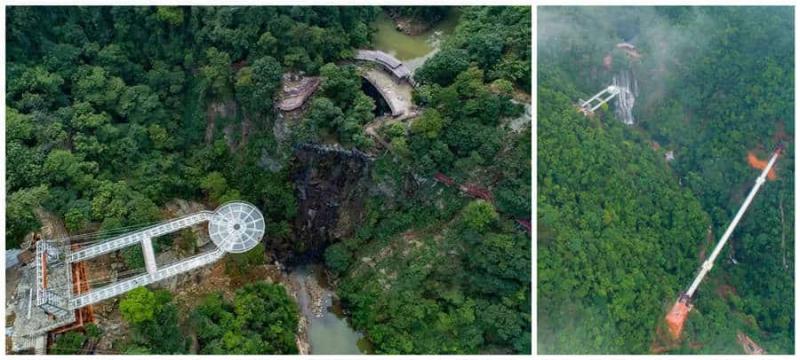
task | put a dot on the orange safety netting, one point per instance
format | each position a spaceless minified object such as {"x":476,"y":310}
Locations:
{"x":759,"y":164}
{"x":80,"y":285}
{"x":676,"y":317}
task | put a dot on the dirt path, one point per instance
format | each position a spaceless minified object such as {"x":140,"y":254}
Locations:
{"x":52,"y":226}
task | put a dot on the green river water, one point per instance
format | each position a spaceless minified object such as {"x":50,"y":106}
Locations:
{"x":412,"y":50}
{"x":330,"y":332}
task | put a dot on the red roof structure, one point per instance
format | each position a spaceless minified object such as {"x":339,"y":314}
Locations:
{"x":444,"y":179}
{"x":525,"y":223}
{"x":477,"y":191}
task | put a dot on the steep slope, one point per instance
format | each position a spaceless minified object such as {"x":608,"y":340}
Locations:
{"x":617,"y":234}
{"x":715,"y":86}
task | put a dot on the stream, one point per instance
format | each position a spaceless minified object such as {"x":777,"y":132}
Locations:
{"x":329,"y":333}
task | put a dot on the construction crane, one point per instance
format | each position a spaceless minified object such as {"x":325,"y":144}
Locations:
{"x":677,"y":315}
{"x":234,"y":227}
{"x":596,"y":101}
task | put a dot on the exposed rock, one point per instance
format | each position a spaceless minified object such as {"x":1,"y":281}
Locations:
{"x":670,"y":155}
{"x":109,"y":319}
{"x":301,"y":339}
{"x":296,"y":90}
{"x":179,"y":282}
{"x":317,"y":296}
{"x":296,"y":289}
{"x":331,"y":184}
{"x":52,"y":226}
{"x":27,"y":242}
{"x":280,"y":127}
{"x":180,"y":207}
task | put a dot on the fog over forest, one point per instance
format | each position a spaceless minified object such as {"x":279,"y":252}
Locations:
{"x":628,"y":212}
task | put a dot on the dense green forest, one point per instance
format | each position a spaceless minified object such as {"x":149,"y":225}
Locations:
{"x":622,"y":229}
{"x":108,"y":113}
{"x":448,"y":275}
{"x":106,"y":108}
{"x":261,"y":319}
{"x":153,"y":319}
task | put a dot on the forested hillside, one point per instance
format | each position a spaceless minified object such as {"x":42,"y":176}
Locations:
{"x":110,"y":117}
{"x":622,"y":225}
{"x":436,"y":273}
{"x":107,"y":107}
{"x":114,"y":112}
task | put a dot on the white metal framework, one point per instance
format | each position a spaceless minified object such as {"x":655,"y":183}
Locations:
{"x":596,"y":101}
{"x":709,"y":263}
{"x":124,"y":286}
{"x":677,"y":315}
{"x":139,"y":236}
{"x":234,"y":227}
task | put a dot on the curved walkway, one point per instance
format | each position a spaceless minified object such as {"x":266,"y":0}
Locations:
{"x":388,"y":62}
{"x":397,"y":94}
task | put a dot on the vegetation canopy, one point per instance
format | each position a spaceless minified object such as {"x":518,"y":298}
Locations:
{"x":628,"y":213}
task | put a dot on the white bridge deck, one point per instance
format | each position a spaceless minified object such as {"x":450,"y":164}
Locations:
{"x":139,"y":236}
{"x":124,"y":286}
{"x":234,"y":227}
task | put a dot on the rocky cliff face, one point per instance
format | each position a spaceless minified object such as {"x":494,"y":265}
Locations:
{"x":630,"y":90}
{"x":331,"y":184}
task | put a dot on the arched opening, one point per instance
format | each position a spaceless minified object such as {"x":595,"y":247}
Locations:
{"x":381,"y":106}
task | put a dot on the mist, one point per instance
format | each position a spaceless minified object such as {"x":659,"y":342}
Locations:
{"x":709,"y":83}
{"x":666,"y":38}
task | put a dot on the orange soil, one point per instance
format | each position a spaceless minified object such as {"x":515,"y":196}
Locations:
{"x":676,"y":318}
{"x":759,"y":164}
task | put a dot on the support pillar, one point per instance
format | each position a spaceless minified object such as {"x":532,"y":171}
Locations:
{"x":149,"y":255}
